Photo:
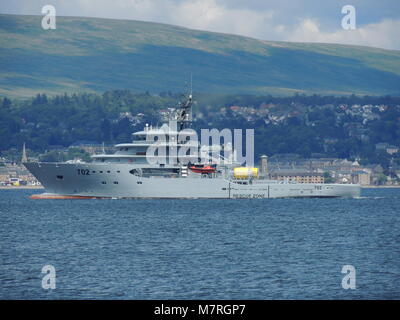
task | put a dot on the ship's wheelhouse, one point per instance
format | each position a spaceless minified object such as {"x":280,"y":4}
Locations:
{"x":168,"y":142}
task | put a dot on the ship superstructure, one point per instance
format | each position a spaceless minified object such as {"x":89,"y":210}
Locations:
{"x":134,"y":172}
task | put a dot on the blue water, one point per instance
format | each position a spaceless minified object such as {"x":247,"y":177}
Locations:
{"x":200,"y":249}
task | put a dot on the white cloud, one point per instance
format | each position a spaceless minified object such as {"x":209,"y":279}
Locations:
{"x":214,"y":15}
{"x":286,"y":20}
{"x":384,"y":34}
{"x":207,"y":15}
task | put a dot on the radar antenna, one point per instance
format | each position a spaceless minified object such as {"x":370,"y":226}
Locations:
{"x":184,"y":114}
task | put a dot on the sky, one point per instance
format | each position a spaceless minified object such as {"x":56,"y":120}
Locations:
{"x":377,"y":21}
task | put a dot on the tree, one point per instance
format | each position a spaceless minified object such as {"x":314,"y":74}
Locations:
{"x":328,"y":177}
{"x":6,"y":103}
{"x":382,"y":179}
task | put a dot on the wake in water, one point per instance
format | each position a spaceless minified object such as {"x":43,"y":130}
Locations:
{"x":370,"y":198}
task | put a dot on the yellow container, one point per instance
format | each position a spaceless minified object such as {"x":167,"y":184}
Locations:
{"x":245,"y":173}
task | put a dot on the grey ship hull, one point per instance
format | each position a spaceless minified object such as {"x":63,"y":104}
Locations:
{"x":115,"y":181}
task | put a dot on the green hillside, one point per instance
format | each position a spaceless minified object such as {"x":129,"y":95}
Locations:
{"x":88,"y":54}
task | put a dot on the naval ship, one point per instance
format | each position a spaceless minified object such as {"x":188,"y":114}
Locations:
{"x":131,"y":173}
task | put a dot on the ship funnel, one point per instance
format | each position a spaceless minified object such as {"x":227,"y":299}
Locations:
{"x":264,"y":165}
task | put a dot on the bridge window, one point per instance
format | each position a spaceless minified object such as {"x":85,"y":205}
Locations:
{"x":134,"y":171}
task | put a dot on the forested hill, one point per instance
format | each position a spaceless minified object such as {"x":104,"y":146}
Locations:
{"x":345,"y":127}
{"x":97,"y":55}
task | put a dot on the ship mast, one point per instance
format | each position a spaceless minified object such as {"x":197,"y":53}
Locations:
{"x":184,"y":112}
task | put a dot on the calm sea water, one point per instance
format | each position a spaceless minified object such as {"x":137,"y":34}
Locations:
{"x":200,"y":249}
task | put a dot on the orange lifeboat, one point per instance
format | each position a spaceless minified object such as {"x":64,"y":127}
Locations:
{"x":201,"y":168}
